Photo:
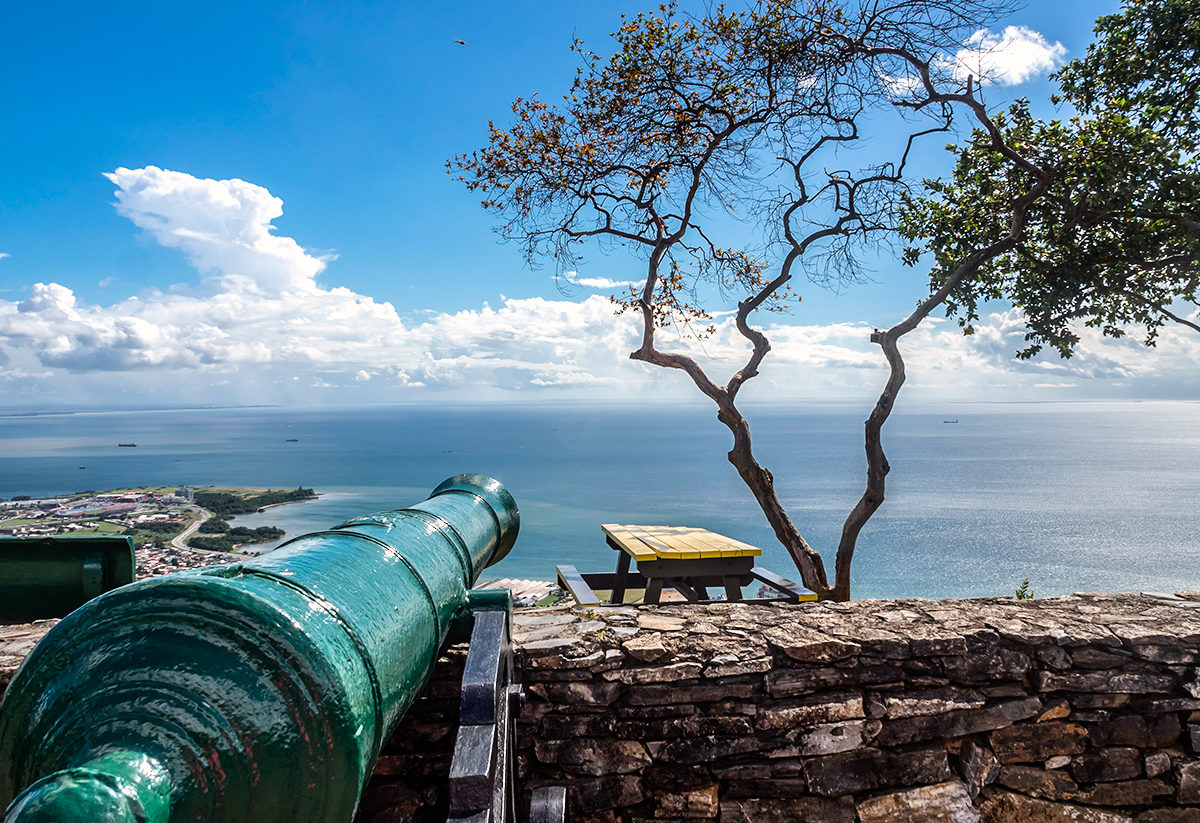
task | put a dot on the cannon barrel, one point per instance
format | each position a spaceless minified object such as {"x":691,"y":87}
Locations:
{"x":260,"y":691}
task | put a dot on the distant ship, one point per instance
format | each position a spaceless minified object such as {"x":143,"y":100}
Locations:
{"x":128,"y":445}
{"x":949,"y":421}
{"x":292,"y":440}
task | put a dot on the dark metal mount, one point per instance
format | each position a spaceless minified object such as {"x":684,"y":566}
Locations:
{"x":482,"y":778}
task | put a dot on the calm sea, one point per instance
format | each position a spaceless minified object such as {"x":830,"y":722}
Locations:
{"x":1074,"y":497}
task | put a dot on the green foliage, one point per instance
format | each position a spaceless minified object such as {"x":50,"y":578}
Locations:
{"x":155,"y":527}
{"x":1023,"y":592}
{"x":228,"y":504}
{"x":1116,"y":240}
{"x":214,"y":525}
{"x":236,"y":536}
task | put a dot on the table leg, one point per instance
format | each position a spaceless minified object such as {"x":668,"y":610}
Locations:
{"x":733,"y":588}
{"x":653,"y":590}
{"x":618,"y":592}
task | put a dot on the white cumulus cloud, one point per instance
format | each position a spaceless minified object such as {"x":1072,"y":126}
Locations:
{"x":261,"y":328}
{"x":1009,"y":58}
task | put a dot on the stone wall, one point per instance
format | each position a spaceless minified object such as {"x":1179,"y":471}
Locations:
{"x":1084,"y":708}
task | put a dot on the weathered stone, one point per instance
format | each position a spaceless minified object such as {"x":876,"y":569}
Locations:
{"x":1045,"y":783}
{"x":941,"y":803}
{"x":597,"y":757}
{"x":580,"y":693}
{"x":1169,"y":816}
{"x":1089,"y":657}
{"x":1117,"y":763}
{"x":830,"y":738}
{"x":651,"y":619}
{"x":809,"y":711}
{"x":646,"y":647}
{"x":1105,"y":682}
{"x":1158,"y":732}
{"x":597,"y":795}
{"x":957,"y":723}
{"x":790,"y":682}
{"x":796,"y":787}
{"x":987,"y":666}
{"x":1033,"y":742}
{"x":1054,"y":657}
{"x":696,"y":803}
{"x":870,"y":768}
{"x":1193,"y":734}
{"x":1059,"y":761}
{"x":1160,"y":653}
{"x":930,"y":701}
{"x":656,"y":694}
{"x":809,"y":646}
{"x":1156,"y":763}
{"x":978,"y":766}
{"x":1055,"y":709}
{"x":656,"y":674}
{"x":523,"y":621}
{"x":1128,"y":793}
{"x":707,"y":749}
{"x":736,"y":666}
{"x":1189,"y":783}
{"x":769,"y":810}
{"x":1007,"y":807}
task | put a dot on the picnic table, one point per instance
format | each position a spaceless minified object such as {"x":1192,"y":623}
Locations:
{"x":687,"y":559}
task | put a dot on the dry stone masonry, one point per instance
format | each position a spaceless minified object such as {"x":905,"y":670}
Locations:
{"x":1083,"y":708}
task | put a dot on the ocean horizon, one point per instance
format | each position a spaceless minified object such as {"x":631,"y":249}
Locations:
{"x":1072,"y":496}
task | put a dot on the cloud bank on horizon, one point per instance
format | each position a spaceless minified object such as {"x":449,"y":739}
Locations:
{"x":259,"y":327}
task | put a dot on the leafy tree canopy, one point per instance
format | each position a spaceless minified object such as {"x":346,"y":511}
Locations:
{"x":1116,"y":241}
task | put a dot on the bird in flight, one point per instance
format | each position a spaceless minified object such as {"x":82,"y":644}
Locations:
{"x":461,"y":42}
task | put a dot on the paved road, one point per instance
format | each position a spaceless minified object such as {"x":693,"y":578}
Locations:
{"x":180,"y":540}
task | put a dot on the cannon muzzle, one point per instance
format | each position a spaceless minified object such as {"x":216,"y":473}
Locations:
{"x":260,"y":691}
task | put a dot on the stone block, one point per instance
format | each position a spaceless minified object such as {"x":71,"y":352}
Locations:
{"x":698,"y":803}
{"x":978,"y":766}
{"x":941,"y":803}
{"x":1189,"y":783}
{"x":987,"y":666}
{"x":1035,"y":742}
{"x":588,"y":693}
{"x":656,"y":674}
{"x":1128,"y":793}
{"x":930,"y":701}
{"x":1114,"y":763}
{"x":646,"y":648}
{"x":809,"y":711}
{"x":658,"y":694}
{"x":957,"y":723}
{"x":771,"y":810}
{"x":768,"y":787}
{"x":1106,"y":682}
{"x":1007,"y":807}
{"x":594,"y":756}
{"x":1156,"y":763}
{"x":1049,"y":784}
{"x":585,"y":797}
{"x":1169,"y":816}
{"x":709,"y":749}
{"x":809,"y":646}
{"x":829,"y":738}
{"x":869,"y":768}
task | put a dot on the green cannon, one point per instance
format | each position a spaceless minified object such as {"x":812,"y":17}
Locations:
{"x":50,"y":576}
{"x":255,"y":692}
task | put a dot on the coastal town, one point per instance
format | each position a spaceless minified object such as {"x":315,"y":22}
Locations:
{"x":172,"y":528}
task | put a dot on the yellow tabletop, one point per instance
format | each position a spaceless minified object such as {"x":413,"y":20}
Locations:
{"x":675,"y":542}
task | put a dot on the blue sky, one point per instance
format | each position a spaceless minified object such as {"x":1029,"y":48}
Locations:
{"x":276,"y":223}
